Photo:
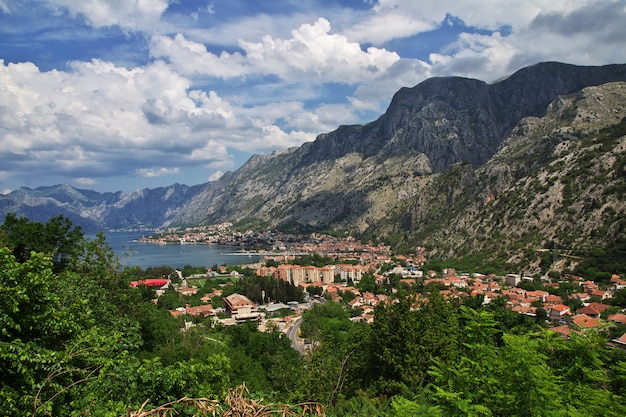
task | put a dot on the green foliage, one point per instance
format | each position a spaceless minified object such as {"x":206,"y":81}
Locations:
{"x":315,"y":290}
{"x":315,"y":259}
{"x":619,"y":298}
{"x":599,"y":263}
{"x":490,"y":378}
{"x":189,"y":270}
{"x":264,"y":289}
{"x":160,"y":271}
{"x":367,"y":283}
{"x":57,"y":238}
{"x":403,"y":407}
{"x":329,"y":319}
{"x":406,"y":342}
{"x":265,"y":362}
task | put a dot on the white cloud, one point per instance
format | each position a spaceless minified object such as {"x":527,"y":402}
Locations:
{"x":99,"y":120}
{"x":85,"y":181}
{"x":192,"y":58}
{"x":246,"y":27}
{"x":156,"y":172}
{"x":129,"y":15}
{"x":477,"y":56}
{"x":313,"y":51}
{"x":215,"y":176}
{"x":383,"y":27}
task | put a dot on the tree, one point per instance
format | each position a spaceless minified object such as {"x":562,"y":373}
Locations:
{"x":367,"y":283}
{"x":507,"y":378}
{"x":57,"y":238}
{"x":407,"y":342}
{"x":330,"y":319}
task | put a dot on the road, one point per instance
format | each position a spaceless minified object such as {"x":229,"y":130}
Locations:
{"x":292,"y":334}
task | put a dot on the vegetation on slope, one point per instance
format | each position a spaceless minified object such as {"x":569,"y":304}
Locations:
{"x":77,"y":340}
{"x":556,"y":187}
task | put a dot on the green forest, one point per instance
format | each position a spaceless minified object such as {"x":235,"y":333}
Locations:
{"x":77,"y":340}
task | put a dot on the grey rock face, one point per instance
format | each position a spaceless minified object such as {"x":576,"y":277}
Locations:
{"x":337,"y":181}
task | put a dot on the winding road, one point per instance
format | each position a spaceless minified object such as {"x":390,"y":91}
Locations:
{"x":292,"y":334}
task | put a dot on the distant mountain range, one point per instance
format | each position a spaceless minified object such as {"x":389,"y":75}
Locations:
{"x":459,"y":165}
{"x":144,"y":209}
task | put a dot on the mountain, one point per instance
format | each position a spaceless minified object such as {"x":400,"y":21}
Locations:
{"x":339,"y":180}
{"x":469,"y":169}
{"x":93,"y":211}
{"x":422,"y":173}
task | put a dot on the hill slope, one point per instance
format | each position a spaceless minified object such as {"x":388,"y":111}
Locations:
{"x":465,"y":167}
{"x":351,"y":177}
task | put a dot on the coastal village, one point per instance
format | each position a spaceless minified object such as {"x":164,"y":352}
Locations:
{"x":584,"y":307}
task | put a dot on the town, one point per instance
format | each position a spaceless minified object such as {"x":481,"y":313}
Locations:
{"x":361,"y":276}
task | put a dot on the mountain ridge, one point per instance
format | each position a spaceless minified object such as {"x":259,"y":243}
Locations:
{"x":424,"y":170}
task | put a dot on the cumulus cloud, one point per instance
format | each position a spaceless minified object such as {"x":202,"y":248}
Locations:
{"x":192,"y":58}
{"x":129,"y":15}
{"x":485,"y":57}
{"x":311,"y":53}
{"x":388,"y":25}
{"x":98,"y":120}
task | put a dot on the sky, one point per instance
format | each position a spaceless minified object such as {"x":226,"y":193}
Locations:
{"x":120,"y":95}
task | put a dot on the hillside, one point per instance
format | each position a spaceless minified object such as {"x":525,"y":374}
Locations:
{"x":464,"y":167}
{"x":456,"y":164}
{"x":356,"y":175}
{"x":554,"y":190}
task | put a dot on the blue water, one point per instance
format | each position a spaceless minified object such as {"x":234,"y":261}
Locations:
{"x":144,"y":255}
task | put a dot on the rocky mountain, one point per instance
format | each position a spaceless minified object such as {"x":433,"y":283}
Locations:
{"x":425,"y":171}
{"x":425,"y":130}
{"x":93,"y":211}
{"x":533,"y":161}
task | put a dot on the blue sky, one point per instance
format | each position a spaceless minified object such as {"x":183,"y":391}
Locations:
{"x":119,"y":95}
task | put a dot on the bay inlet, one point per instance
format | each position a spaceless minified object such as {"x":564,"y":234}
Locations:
{"x":132,"y":252}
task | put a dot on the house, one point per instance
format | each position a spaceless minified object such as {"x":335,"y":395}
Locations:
{"x":554,"y":299}
{"x":512,"y":279}
{"x":188,"y":291}
{"x":618,"y":318}
{"x":558,"y":312}
{"x":581,"y":296}
{"x":203,"y":310}
{"x":593,"y":309}
{"x":589,"y":286}
{"x":602,"y":295}
{"x":583,"y":321}
{"x":563,"y":331}
{"x":236,"y":302}
{"x":538,"y":295}
{"x":621,"y":342}
{"x":618,"y":282}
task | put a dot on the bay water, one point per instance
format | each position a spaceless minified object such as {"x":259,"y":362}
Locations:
{"x":132,"y":252}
